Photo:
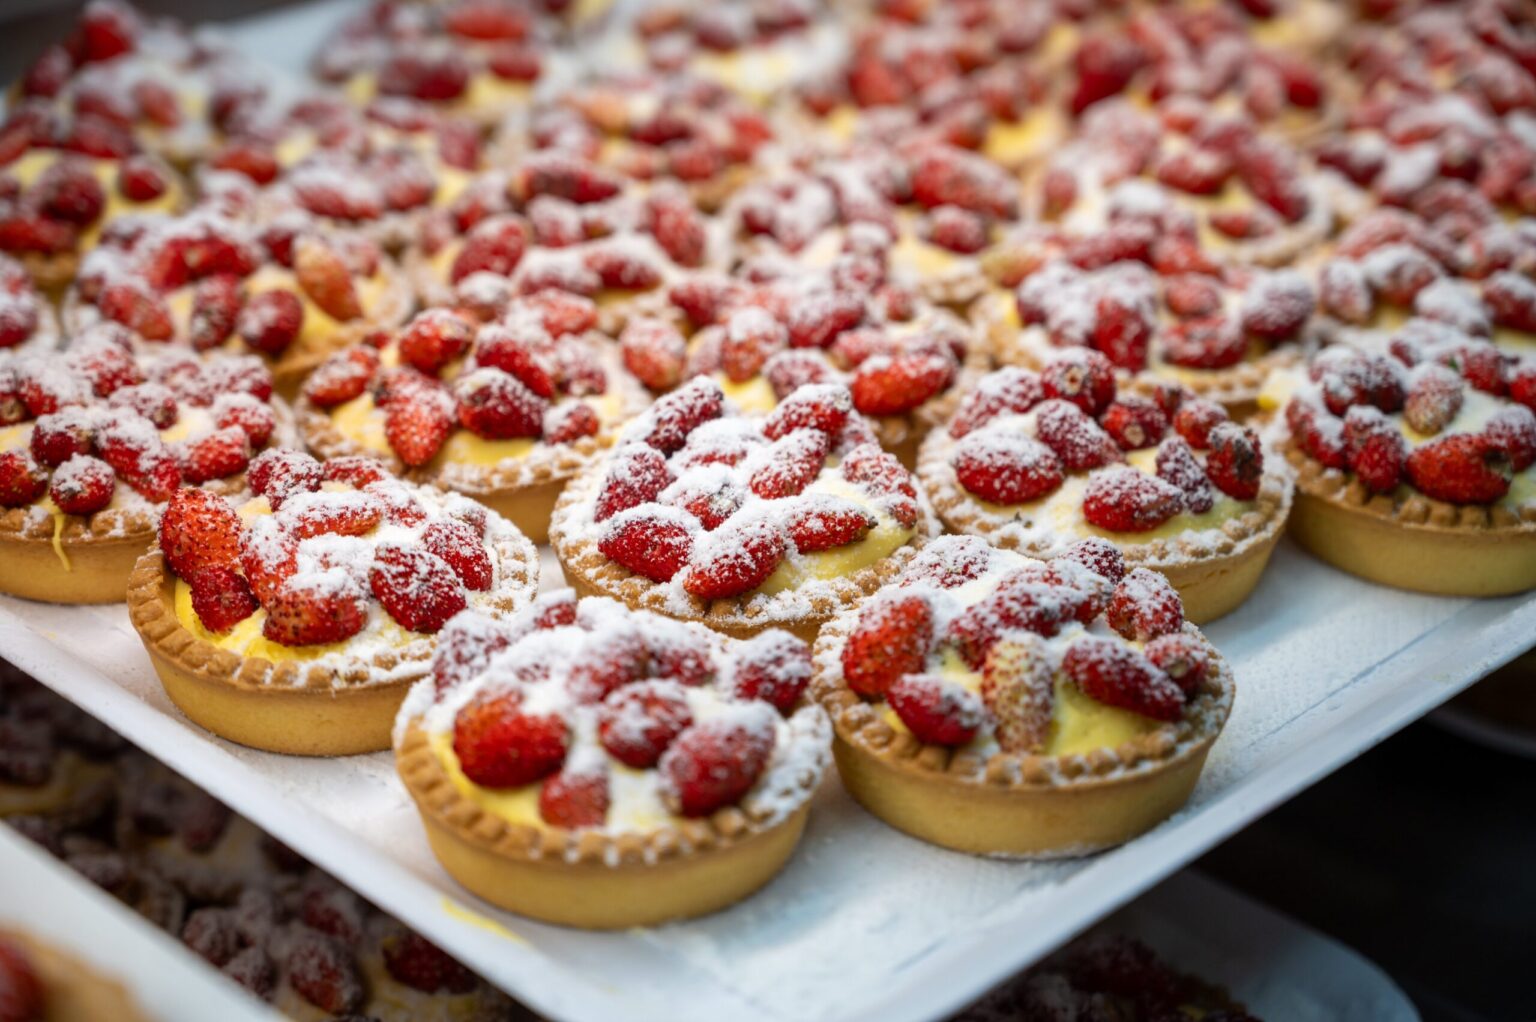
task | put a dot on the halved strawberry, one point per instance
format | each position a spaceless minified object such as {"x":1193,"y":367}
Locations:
{"x":221,"y":598}
{"x":1117,"y":675}
{"x":713,"y":764}
{"x":883,"y":385}
{"x":1121,"y":499}
{"x":269,"y":554}
{"x":1018,"y":688}
{"x":734,"y":559}
{"x":199,"y":529}
{"x":418,"y":588}
{"x":320,"y":607}
{"x":653,"y":542}
{"x":824,"y":522}
{"x":1145,"y":606}
{"x":935,"y":709}
{"x":892,"y":637}
{"x":417,"y":423}
{"x":773,"y":666}
{"x":636,"y":723}
{"x":1006,"y":468}
{"x":335,"y":514}
{"x":499,"y":745}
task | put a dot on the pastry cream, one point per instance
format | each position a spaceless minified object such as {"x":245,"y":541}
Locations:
{"x":880,"y":542}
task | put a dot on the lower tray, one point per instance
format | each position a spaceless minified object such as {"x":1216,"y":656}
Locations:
{"x":865,"y":923}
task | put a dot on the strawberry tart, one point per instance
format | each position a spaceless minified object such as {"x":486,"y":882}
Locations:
{"x":505,"y":412}
{"x":296,"y":620}
{"x":1035,"y":461}
{"x":598,"y":767}
{"x":741,"y":523}
{"x":93,"y":441}
{"x":1417,"y":468}
{"x":996,"y":704}
{"x":43,"y":983}
{"x":291,"y":292}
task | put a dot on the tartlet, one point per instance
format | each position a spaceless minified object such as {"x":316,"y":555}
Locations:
{"x":299,"y":629}
{"x":44,"y":982}
{"x":742,"y":524}
{"x":1414,"y":469}
{"x":97,"y":439}
{"x":983,"y":701}
{"x":27,"y":320}
{"x":603,"y":768}
{"x":288,"y":291}
{"x":504,"y":412}
{"x":1032,"y":462}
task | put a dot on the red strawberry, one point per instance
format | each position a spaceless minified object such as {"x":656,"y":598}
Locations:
{"x":325,"y":278}
{"x":68,"y":191}
{"x":570,"y":422}
{"x":355,"y":514}
{"x":342,"y":377}
{"x":1031,"y":599}
{"x":1317,"y":433}
{"x":513,"y":352}
{"x":1177,"y":464}
{"x":501,"y":746}
{"x":138,"y":308}
{"x":22,"y":995}
{"x":1099,"y":556}
{"x":824,"y":407}
{"x":1078,"y":441}
{"x":655,"y":544}
{"x":460,"y":546}
{"x":636,"y":476}
{"x":254,"y":160}
{"x":1145,"y":606}
{"x":60,"y":436}
{"x":891,"y":638}
{"x":751,"y":336}
{"x":435,"y":338}
{"x":324,"y":973}
{"x":883,"y":385}
{"x":654,"y":351}
{"x":246,"y":413}
{"x":1182,"y":658}
{"x":1465,"y":468}
{"x":328,"y":607}
{"x":497,"y":406}
{"x":413,"y":960}
{"x":1116,"y":675}
{"x":1018,"y":689}
{"x":417,"y":424}
{"x":220,"y":454}
{"x":738,"y":558}
{"x":221,"y":598}
{"x":574,"y":800}
{"x":1209,"y":342}
{"x":1236,"y":461}
{"x":1121,"y":499}
{"x":825,"y":524}
{"x":82,"y":485}
{"x":936,"y":710}
{"x":279,"y":473}
{"x":1121,"y":331}
{"x":418,"y":588}
{"x":1277,"y":305}
{"x":1006,"y":468}
{"x":817,"y":322}
{"x":465,"y":647}
{"x":1511,"y":300}
{"x":1010,"y":390}
{"x":199,"y":529}
{"x":773,"y":666}
{"x":711,"y":504}
{"x":1134,"y":422}
{"x":1195,"y":419}
{"x":22,"y":480}
{"x":637,"y":722}
{"x":1514,"y":430}
{"x":356,"y":470}
{"x":1083,"y":377}
{"x":713,"y":764}
{"x":1344,"y":292}
{"x":1196,"y":171}
{"x":679,"y":413}
{"x":1483,"y":366}
{"x":790,"y":464}
{"x":945,"y":176}
{"x":1522,"y":386}
{"x":271,"y":321}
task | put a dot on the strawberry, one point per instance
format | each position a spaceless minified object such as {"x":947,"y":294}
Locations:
{"x":59,"y":436}
{"x":636,"y":723}
{"x":460,"y":546}
{"x":884,"y":385}
{"x":790,"y":464}
{"x":891,"y":638}
{"x":1344,"y":292}
{"x":618,"y":267}
{"x":271,"y":321}
{"x":636,"y":476}
{"x":562,"y":314}
{"x":466,"y":646}
{"x":823,"y":407}
{"x":739,"y":558}
{"x":1464,"y":468}
{"x":82,"y":485}
{"x":220,"y":454}
{"x":570,"y":422}
{"x":574,"y":800}
{"x":325,"y":278}
{"x":1031,"y":599}
{"x":515,"y":353}
{"x":772,"y":666}
{"x":1099,"y":556}
{"x":713,"y":764}
{"x":497,"y":405}
{"x":676,"y":225}
{"x":1483,"y":366}
{"x":221,"y":598}
{"x":156,"y":477}
{"x":22,"y":480}
{"x":1182,"y":658}
{"x":253,"y":159}
{"x":1316,"y":433}
{"x":817,"y":322}
{"x":654,"y":351}
{"x":1008,"y":391}
{"x":420,"y":590}
{"x":936,"y":710}
{"x":417,"y":424}
{"x":1195,"y":419}
{"x":279,"y":473}
{"x":1177,"y":464}
{"x":1121,"y":499}
{"x":22,"y":994}
{"x":342,"y":377}
{"x":1145,"y":606}
{"x":1209,"y":342}
{"x":1006,"y":468}
{"x":653,"y":543}
{"x":1122,"y":331}
{"x":1134,"y":422}
{"x":356,"y":470}
{"x":269,"y":554}
{"x":68,"y":191}
{"x":322,"y":608}
{"x":199,"y":529}
{"x":138,"y":308}
{"x":1236,"y":461}
{"x":679,"y":413}
{"x":1018,"y":689}
{"x":826,"y":524}
{"x":946,"y":176}
{"x":435,"y":338}
{"x":957,"y":230}
{"x":1082,"y":377}
{"x":413,"y":960}
{"x":712,"y":504}
{"x":1514,"y":430}
{"x":1195,"y":171}
{"x":1511,"y":300}
{"x":324,"y":973}
{"x":1115,"y":675}
{"x":751,"y":336}
{"x":1078,"y":441}
{"x":352,"y":514}
{"x":216,"y":303}
{"x":1377,"y":453}
{"x":1105,"y":64}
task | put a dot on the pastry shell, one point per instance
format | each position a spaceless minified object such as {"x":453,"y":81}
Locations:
{"x":1015,"y":805}
{"x":74,"y":990}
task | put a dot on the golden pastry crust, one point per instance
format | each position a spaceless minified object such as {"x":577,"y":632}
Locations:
{"x":1010,"y":804}
{"x":74,"y":991}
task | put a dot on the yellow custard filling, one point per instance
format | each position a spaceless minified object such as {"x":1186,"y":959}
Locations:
{"x":752,"y":397}
{"x":32,"y":163}
{"x":885,"y":538}
{"x":1012,"y":143}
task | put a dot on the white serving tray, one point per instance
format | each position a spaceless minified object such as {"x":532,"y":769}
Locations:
{"x":46,"y":900}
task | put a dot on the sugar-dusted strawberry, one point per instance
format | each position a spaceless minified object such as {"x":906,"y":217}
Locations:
{"x":417,"y":423}
{"x":82,"y":485}
{"x":315,"y":607}
{"x":1134,"y":422}
{"x":280,"y":472}
{"x":1317,"y":433}
{"x":682,"y":655}
{"x":653,"y":542}
{"x":418,"y":963}
{"x":338,"y":514}
{"x":1195,"y":419}
{"x":935,"y":709}
{"x":1464,"y":468}
{"x":823,"y":407}
{"x":1010,"y":390}
{"x":790,"y":464}
{"x":673,"y":417}
{"x":323,"y":275}
{"x":138,"y":308}
{"x":1077,"y":441}
{"x":1514,"y":430}
{"x":324,"y":973}
{"x":1522,"y":385}
{"x":817,"y":321}
{"x":246,"y":413}
{"x":199,"y":529}
{"x":499,"y":745}
{"x":569,"y":422}
{"x":271,"y":321}
{"x":636,"y":475}
{"x":574,"y":799}
{"x":1006,"y":468}
{"x":1344,"y":291}
{"x":1030,"y":599}
{"x":654,"y":351}
{"x":342,"y":377}
{"x":1276,"y":305}
{"x":1177,"y":464}
{"x":891,"y":638}
{"x":886,"y":385}
{"x":515,"y":351}
{"x":269,"y":554}
{"x":1349,"y":377}
{"x":824,"y":522}
{"x":61,"y":435}
{"x":946,"y":176}
{"x":420,"y":590}
{"x":460,"y":546}
{"x":1018,"y":689}
{"x":734,"y":559}
{"x":497,"y":405}
{"x":1122,"y":330}
{"x":1511,"y":300}
{"x":714,"y":763}
{"x":105,"y":362}
{"x":1485,"y":367}
{"x":465,"y":647}
{"x":356,"y":470}
{"x":1183,"y":658}
{"x":751,"y":336}
{"x":435,"y":338}
{"x":23,"y":997}
{"x":1118,"y":676}
{"x":1236,"y":461}
{"x":1121,"y":499}
{"x":1145,"y":606}
{"x":220,"y":454}
{"x":1207,"y":342}
{"x":22,"y":480}
{"x":1082,"y":377}
{"x":221,"y":598}
{"x":772,"y":666}
{"x":637,"y":723}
